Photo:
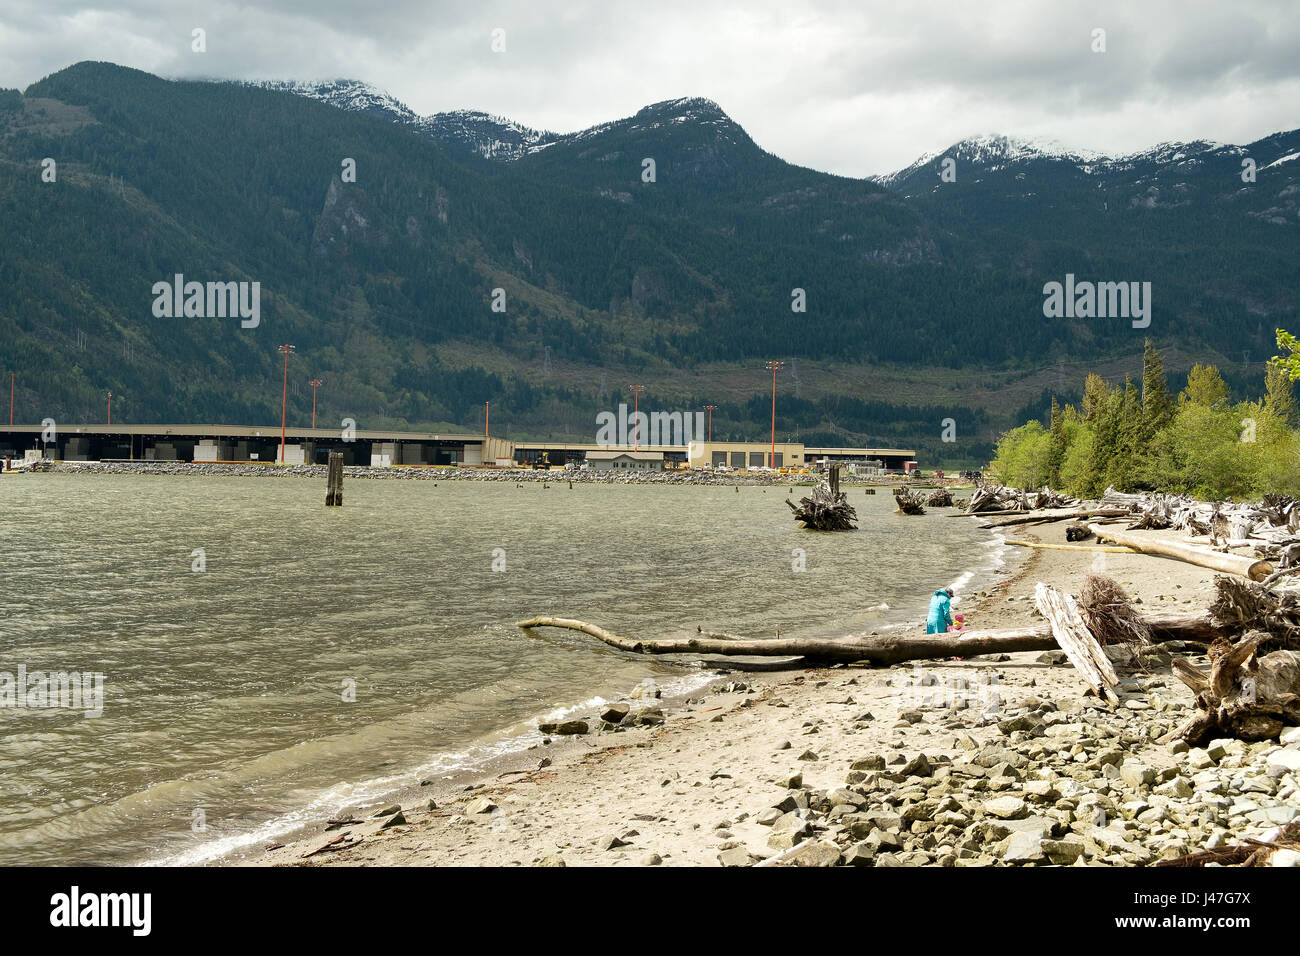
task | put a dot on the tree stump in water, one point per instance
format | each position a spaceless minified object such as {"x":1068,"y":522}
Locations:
{"x":827,"y":508}
{"x":940,"y":498}
{"x":909,"y":503}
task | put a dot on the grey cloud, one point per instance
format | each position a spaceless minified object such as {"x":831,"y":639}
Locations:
{"x":851,"y":87}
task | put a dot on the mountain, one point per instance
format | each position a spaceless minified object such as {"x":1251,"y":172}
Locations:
{"x":354,"y":96}
{"x":465,"y":131}
{"x":721,"y":177}
{"x":482,"y":134}
{"x":921,"y":304}
{"x":1199,"y":173}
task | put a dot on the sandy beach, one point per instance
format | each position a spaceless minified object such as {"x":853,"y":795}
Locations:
{"x":700,"y":788}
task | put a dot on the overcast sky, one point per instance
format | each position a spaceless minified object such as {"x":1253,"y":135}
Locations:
{"x":850,"y":86}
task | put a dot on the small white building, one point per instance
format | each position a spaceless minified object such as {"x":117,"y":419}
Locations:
{"x":626,"y":460}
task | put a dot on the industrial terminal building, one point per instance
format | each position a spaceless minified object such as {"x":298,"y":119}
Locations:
{"x":735,"y":455}
{"x":248,"y":443}
{"x":238,"y":443}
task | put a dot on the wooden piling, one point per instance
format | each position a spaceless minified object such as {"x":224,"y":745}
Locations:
{"x":334,"y":485}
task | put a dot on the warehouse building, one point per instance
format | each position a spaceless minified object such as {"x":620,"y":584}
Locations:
{"x":743,"y":455}
{"x":239,"y":443}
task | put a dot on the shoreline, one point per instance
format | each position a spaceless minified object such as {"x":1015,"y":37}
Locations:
{"x":440,"y":786}
{"x":753,"y":765}
{"x":438,"y":473}
{"x":452,"y":787}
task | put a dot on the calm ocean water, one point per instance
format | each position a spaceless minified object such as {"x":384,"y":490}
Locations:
{"x":225,"y":719}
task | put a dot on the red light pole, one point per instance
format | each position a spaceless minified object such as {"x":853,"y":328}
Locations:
{"x":775,"y":367}
{"x":315,"y":384}
{"x":710,"y":408}
{"x":284,"y":398}
{"x":487,"y":419}
{"x":636,"y":416}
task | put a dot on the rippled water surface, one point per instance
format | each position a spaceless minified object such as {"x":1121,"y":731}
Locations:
{"x":224,"y":715}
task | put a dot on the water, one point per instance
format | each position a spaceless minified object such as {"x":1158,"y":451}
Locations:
{"x":224,"y":719}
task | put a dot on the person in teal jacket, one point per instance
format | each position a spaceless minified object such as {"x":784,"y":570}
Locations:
{"x":940,"y":618}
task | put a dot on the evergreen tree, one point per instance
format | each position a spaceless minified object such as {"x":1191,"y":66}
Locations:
{"x":1156,"y":404}
{"x":1056,"y":447}
{"x":1095,"y":395}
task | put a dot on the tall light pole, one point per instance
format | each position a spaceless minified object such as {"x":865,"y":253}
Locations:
{"x":110,"y":408}
{"x":775,"y":367}
{"x":315,"y":384}
{"x":284,"y":398}
{"x":636,"y":416}
{"x":487,"y":419}
{"x":710,"y":409}
{"x":11,"y":398}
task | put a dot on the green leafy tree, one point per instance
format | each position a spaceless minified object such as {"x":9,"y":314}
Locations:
{"x":1279,"y":398}
{"x":1205,"y":446}
{"x":1290,"y":360}
{"x":1205,"y":386}
{"x":1022,"y":457}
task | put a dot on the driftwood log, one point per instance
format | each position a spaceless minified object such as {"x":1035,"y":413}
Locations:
{"x":1071,"y":632}
{"x":879,"y":649}
{"x":827,"y":508}
{"x":1255,"y":569}
{"x":1277,"y":509}
{"x":1061,"y":516}
{"x":1077,"y":532}
{"x":1221,"y":521}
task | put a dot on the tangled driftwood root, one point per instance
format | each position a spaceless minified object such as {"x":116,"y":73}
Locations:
{"x":989,"y":496}
{"x":909,"y":502}
{"x":1245,"y":695}
{"x":1108,"y":611}
{"x":940,"y":498}
{"x":1253,"y":688}
{"x":1250,"y":853}
{"x":1240,"y":606}
{"x":827,"y":508}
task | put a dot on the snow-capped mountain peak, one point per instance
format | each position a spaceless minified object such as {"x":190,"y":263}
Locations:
{"x":355,"y":96}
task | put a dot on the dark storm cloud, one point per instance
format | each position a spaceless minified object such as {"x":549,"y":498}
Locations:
{"x":853,"y":87}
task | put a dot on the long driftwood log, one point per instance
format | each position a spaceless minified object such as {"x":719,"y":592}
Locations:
{"x":881,"y":649}
{"x":1072,"y":633}
{"x":1252,"y":568}
{"x":1047,"y":519}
